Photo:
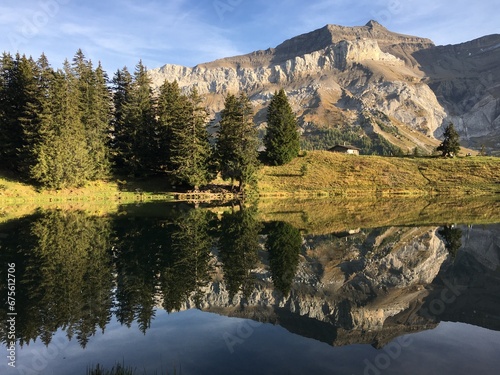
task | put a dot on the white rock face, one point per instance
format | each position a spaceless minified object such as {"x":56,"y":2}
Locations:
{"x":406,"y":78}
{"x":230,"y":79}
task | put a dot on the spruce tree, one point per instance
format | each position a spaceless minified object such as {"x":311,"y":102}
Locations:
{"x":140,"y":121}
{"x":30,"y":112}
{"x":12,"y":100}
{"x":171,"y":105}
{"x":237,"y":141}
{"x":24,"y":102}
{"x":451,"y":142}
{"x":62,"y":156}
{"x":121,"y":129}
{"x":6,"y":71}
{"x":190,"y":150}
{"x":282,"y":139}
{"x":95,"y":112}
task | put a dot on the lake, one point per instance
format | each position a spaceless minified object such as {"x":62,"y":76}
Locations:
{"x":288,"y":287}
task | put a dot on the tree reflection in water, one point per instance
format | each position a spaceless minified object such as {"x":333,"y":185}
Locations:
{"x":76,"y":270}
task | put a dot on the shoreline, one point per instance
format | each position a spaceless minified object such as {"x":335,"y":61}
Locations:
{"x":318,"y":174}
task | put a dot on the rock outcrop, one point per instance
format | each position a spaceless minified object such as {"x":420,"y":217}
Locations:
{"x":334,"y":76}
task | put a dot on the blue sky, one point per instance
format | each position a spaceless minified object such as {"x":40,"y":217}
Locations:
{"x":189,"y":32}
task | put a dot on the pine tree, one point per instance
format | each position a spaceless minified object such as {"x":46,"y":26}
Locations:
{"x":237,"y":141}
{"x":282,"y":139}
{"x":451,"y":142}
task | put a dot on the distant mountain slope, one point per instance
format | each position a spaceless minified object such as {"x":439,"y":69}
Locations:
{"x":364,"y":82}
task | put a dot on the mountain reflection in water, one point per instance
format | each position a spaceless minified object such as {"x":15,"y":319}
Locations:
{"x":79,"y":274}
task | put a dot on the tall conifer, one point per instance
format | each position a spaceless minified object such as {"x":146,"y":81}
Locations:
{"x":140,"y":120}
{"x":171,"y":105}
{"x":282,"y":139}
{"x":189,"y":146}
{"x":121,"y":132}
{"x":62,"y":154}
{"x":95,"y":111}
{"x":237,"y":141}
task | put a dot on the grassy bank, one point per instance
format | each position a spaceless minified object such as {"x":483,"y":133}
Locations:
{"x":15,"y":192}
{"x":318,"y":173}
{"x":326,"y":173}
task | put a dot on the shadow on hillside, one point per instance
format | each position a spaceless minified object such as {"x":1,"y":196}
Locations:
{"x":154,"y":185}
{"x":162,"y":185}
{"x":10,"y":176}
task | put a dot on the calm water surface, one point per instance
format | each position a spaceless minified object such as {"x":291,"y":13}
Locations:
{"x":172,"y":289}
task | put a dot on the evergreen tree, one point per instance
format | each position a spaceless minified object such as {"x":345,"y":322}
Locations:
{"x":95,"y":112}
{"x":187,"y":265}
{"x":140,"y":121}
{"x":33,"y":128}
{"x":9,"y":131}
{"x":18,"y":107}
{"x":30,"y":113}
{"x":237,"y":141}
{"x":190,"y":150}
{"x":282,"y":139}
{"x":451,"y":142}
{"x":122,"y":130}
{"x":64,"y":275}
{"x":62,"y":156}
{"x":139,"y":246}
{"x":452,"y":239}
{"x":170,"y":106}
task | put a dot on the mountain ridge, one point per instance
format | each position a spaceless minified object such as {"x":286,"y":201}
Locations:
{"x":364,"y":79}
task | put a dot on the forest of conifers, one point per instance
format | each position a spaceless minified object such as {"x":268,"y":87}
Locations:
{"x":61,"y":128}
{"x":64,"y":127}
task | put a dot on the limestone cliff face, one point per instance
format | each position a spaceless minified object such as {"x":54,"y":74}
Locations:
{"x":466,"y":80}
{"x":335,"y":74}
{"x":234,"y":76}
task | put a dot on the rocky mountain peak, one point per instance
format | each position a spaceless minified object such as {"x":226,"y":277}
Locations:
{"x":365,"y":79}
{"x":329,"y":35}
{"x":372,"y":24}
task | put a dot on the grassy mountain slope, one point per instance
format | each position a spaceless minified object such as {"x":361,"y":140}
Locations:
{"x":330,"y":173}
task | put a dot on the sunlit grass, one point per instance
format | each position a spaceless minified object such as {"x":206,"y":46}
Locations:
{"x":326,"y":173}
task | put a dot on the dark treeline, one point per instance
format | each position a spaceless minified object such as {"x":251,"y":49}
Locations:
{"x":64,"y":127}
{"x":76,"y":271}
